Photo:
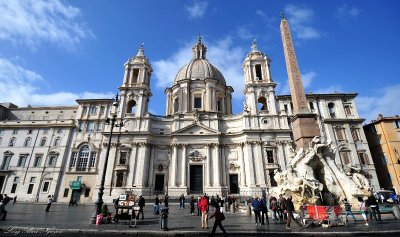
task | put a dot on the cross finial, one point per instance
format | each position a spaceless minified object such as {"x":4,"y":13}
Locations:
{"x":254,"y":45}
{"x":141,"y":50}
{"x":282,"y":15}
{"x":198,"y":37}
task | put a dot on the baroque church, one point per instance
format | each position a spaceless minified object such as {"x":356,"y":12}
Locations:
{"x":199,"y":146}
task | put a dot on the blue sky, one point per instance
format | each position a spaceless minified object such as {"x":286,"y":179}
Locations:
{"x":54,"y":52}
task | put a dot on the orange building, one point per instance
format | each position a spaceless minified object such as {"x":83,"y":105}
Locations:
{"x":383,"y":136}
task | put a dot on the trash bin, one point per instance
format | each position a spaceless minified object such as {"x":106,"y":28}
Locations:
{"x":164,"y":219}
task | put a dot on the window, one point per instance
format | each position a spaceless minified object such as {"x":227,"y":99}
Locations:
{"x":14,"y":188}
{"x":270,"y":156}
{"x":45,"y":187}
{"x":122,"y":158}
{"x":30,"y":131}
{"x":21,"y":161}
{"x":27,"y":141}
{"x":331,"y":108}
{"x":79,"y":178}
{"x":101,"y":110}
{"x":219,"y":104}
{"x":6,"y":162}
{"x":311,"y":105}
{"x":120,"y":179}
{"x":285,"y":107}
{"x":340,"y":134}
{"x":16,"y":179}
{"x":262,"y":104}
{"x":135,"y":75}
{"x":43,"y":141}
{"x":52,"y":161}
{"x":93,"y":110}
{"x":57,"y":141}
{"x":38,"y":161}
{"x":99,"y":126}
{"x":84,"y":110}
{"x":15,"y":131}
{"x":66,"y":191}
{"x":176,"y":105}
{"x":87,"y":192}
{"x":30,"y":188}
{"x":397,"y":124}
{"x":347,"y":110}
{"x":197,"y":102}
{"x":12,"y":141}
{"x":258,"y":72}
{"x":363,"y":158}
{"x":345,"y":157}
{"x":90,"y":126}
{"x":73,"y":159}
{"x":93,"y":159}
{"x":32,"y":180}
{"x":131,"y":107}
{"x":83,"y":158}
{"x":355,"y":133}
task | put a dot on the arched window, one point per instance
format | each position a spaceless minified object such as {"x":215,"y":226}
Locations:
{"x":176,"y":105}
{"x":83,"y":158}
{"x":27,"y":141}
{"x":197,"y":101}
{"x":57,"y":141}
{"x":43,"y":141}
{"x":262,"y":104}
{"x":12,"y":141}
{"x":331,"y":108}
{"x":120,"y":179}
{"x":131,"y":107}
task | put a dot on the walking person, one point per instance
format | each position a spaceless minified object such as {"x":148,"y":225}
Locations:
{"x":282,"y":208}
{"x":256,"y":208}
{"x":141,"y":203}
{"x":347,"y":208}
{"x":273,"y":205}
{"x":198,"y":206}
{"x":49,"y":201}
{"x":290,"y":209}
{"x":116,"y":203}
{"x":219,"y":217}
{"x":182,"y":202}
{"x":363,"y":210}
{"x":166,"y":200}
{"x":192,"y":202}
{"x":264,"y":210}
{"x":204,"y":212}
{"x":373,"y":207}
{"x":157,"y":206}
{"x":3,"y":204}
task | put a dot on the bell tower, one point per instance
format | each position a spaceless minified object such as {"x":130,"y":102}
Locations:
{"x":259,"y":87}
{"x":135,"y":89}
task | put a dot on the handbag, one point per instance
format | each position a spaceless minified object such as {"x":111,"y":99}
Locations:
{"x":99,"y":219}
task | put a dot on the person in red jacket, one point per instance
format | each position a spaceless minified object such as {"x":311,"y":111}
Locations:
{"x":204,"y":212}
{"x":219,"y":217}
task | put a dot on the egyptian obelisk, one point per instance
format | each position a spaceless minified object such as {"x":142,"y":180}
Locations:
{"x":304,"y":123}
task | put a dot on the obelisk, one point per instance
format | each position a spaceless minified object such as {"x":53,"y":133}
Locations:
{"x":304,"y":123}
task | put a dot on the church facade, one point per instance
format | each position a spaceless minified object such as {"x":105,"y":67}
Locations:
{"x":199,"y":146}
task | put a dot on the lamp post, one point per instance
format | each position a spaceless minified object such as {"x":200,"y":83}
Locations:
{"x":99,"y":201}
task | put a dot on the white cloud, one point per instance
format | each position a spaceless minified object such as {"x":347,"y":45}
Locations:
{"x":223,"y":54}
{"x":21,"y":86}
{"x":383,"y":102}
{"x":196,"y":9}
{"x":300,"y":20}
{"x":31,"y":22}
{"x":345,"y":12}
{"x":244,"y":33}
{"x":306,"y":78}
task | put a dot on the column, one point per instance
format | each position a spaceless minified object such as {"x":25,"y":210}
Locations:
{"x":249,"y":164}
{"x":217,"y":167}
{"x":242,"y":166}
{"x":184,"y":166}
{"x":151,"y":168}
{"x":146,"y":165}
{"x":224,"y":169}
{"x":172,"y":179}
{"x":132,"y":160}
{"x":208,"y":174}
{"x":260,"y":165}
{"x":140,"y":165}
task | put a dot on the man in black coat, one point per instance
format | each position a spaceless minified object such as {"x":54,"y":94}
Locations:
{"x":141,"y":204}
{"x":290,"y":210}
{"x":373,"y":206}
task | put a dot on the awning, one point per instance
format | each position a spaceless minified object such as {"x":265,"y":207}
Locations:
{"x":75,"y":184}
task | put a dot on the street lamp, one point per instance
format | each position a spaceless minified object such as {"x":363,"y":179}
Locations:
{"x":99,"y":201}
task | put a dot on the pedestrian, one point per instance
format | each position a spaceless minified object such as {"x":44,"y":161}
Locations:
{"x":3,"y":204}
{"x":182,"y":202}
{"x":290,"y":210}
{"x":141,"y":203}
{"x":204,"y":212}
{"x":273,"y":205}
{"x":264,"y":210}
{"x":106,"y":214}
{"x":198,"y":206}
{"x":157,"y":206}
{"x":192,"y":205}
{"x":282,"y":208}
{"x":256,"y":208}
{"x":14,"y":200}
{"x":116,"y":204}
{"x":166,"y":200}
{"x":347,"y":208}
{"x":219,"y":217}
{"x":363,"y":210}
{"x":373,"y":207}
{"x":49,"y":201}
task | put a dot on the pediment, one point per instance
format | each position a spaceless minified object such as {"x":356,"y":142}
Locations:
{"x":196,"y":129}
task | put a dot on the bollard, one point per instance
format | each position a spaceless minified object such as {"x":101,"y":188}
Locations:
{"x":248,"y":210}
{"x":164,"y":219}
{"x":396,"y":211}
{"x":233,"y":208}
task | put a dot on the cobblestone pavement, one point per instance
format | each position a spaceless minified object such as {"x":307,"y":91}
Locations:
{"x":31,"y":220}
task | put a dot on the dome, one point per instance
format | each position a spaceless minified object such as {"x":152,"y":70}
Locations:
{"x":199,"y":68}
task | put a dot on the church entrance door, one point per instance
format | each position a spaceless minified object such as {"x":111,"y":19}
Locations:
{"x":196,"y":179}
{"x":233,"y":183}
{"x":159,"y":185}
